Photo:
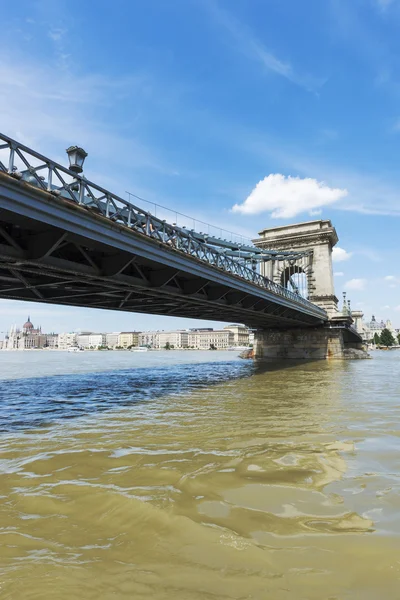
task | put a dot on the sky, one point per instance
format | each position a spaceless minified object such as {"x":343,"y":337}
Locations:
{"x":245,"y":114}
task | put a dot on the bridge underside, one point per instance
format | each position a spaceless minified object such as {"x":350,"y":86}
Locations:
{"x":56,"y":252}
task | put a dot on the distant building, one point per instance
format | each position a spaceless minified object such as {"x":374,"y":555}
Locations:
{"x":28,"y":338}
{"x":112,"y":339}
{"x":51,"y":341}
{"x":91,"y":340}
{"x":66,"y":340}
{"x":148,"y":338}
{"x":368,"y":329}
{"x":221,"y":339}
{"x":176,"y":339}
{"x":240,"y":334}
{"x":83,"y":339}
{"x":126,"y":339}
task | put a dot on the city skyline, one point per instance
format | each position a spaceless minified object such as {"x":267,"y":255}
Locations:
{"x":261,"y":126}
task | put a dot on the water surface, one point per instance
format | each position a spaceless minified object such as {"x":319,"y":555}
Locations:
{"x":196,"y":476}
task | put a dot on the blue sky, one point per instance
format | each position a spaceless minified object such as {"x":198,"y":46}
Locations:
{"x":286,"y":110}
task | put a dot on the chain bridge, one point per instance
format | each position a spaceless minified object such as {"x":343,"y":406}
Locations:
{"x":67,"y":240}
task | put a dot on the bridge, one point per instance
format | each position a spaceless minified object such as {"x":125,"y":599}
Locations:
{"x":66,"y":240}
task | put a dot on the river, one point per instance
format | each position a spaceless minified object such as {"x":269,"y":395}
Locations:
{"x":196,"y":476}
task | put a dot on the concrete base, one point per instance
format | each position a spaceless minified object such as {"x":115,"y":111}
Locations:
{"x":319,"y":343}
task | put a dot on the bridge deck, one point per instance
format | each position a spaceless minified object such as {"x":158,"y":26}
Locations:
{"x":55,"y":251}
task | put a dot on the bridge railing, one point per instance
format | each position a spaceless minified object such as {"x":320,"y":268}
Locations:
{"x":24,"y":164}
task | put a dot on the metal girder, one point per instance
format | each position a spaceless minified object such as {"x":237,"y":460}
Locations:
{"x":61,"y":183}
{"x":194,"y":286}
{"x":89,"y":258}
{"x":162,"y":277}
{"x":116,"y":263}
{"x":44,"y":243}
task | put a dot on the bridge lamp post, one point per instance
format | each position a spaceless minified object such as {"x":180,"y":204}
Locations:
{"x":76,"y":156}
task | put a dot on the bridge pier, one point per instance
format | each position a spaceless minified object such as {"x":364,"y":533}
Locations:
{"x":334,"y":340}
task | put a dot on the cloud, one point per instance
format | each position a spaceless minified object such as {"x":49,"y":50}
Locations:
{"x":390,"y":278}
{"x":286,"y":197}
{"x":397,"y":308}
{"x":355,"y":284}
{"x":340,"y":255}
{"x":338,"y":274}
{"x":248,"y":44}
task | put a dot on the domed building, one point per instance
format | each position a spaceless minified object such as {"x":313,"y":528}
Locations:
{"x":28,"y":328}
{"x":27,"y":339}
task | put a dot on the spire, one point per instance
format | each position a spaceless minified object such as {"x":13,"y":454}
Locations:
{"x":345,"y":309}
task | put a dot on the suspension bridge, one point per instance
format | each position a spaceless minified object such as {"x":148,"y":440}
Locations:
{"x":67,"y":240}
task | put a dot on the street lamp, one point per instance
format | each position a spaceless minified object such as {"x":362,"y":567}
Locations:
{"x":76,"y":156}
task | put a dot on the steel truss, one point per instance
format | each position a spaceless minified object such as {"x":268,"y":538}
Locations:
{"x":31,"y":168}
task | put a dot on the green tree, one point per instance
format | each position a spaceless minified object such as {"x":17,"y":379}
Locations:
{"x":387,"y":338}
{"x":398,"y":338}
{"x":377,"y":339}
{"x":167,"y":346}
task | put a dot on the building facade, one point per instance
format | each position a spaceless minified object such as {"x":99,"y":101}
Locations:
{"x":91,"y":340}
{"x":27,"y":338}
{"x":126,"y":339}
{"x":149,"y":339}
{"x":220,"y":339}
{"x":112,"y":339}
{"x":173,"y":339}
{"x":240,"y":334}
{"x":66,"y":340}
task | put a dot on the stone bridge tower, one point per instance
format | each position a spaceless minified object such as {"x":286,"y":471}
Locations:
{"x":316,"y":237}
{"x":310,"y":275}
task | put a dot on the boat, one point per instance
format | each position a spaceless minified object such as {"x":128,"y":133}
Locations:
{"x":75,"y":349}
{"x":140,"y":349}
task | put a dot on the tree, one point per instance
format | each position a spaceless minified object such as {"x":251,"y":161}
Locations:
{"x":387,"y":338}
{"x":398,"y":338}
{"x":212,"y":347}
{"x":377,"y":339}
{"x":167,"y":346}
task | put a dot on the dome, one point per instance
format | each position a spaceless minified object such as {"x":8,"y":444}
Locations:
{"x":28,"y":324}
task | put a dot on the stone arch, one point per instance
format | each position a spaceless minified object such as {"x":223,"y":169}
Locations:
{"x":295,"y":278}
{"x":314,"y":238}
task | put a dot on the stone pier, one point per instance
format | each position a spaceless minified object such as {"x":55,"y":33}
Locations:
{"x":336,"y":338}
{"x":318,"y":343}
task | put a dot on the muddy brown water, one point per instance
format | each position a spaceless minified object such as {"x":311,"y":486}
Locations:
{"x":195,"y":476}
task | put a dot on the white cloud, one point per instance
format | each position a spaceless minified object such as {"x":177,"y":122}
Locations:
{"x":397,"y":308}
{"x":338,"y":274}
{"x":340,"y":254}
{"x":355,"y":284}
{"x":287,"y":197}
